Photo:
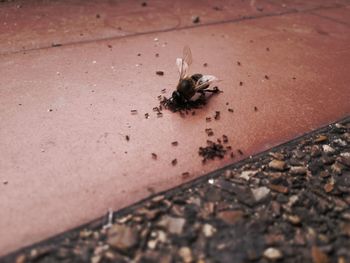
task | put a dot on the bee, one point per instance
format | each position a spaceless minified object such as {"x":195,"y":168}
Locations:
{"x":190,"y":85}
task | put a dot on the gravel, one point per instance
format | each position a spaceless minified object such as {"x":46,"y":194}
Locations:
{"x":291,"y":204}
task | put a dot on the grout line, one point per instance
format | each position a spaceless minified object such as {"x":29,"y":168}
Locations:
{"x":234,"y":20}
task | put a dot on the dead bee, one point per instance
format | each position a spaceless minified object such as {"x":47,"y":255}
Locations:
{"x":190,"y":85}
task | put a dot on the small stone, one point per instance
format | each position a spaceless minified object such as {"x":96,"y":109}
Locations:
{"x":328,"y":149}
{"x":277,"y":165}
{"x":277,"y":156}
{"x":320,"y":138}
{"x":294,"y":219}
{"x":273,"y":254}
{"x":344,"y":159}
{"x":122,"y":237}
{"x":208,"y":230}
{"x":231,"y":216}
{"x":195,"y":19}
{"x":260,"y":193}
{"x":173,"y":224}
{"x":186,"y":254}
{"x":315,"y":151}
{"x":21,"y":258}
{"x":318,"y":256}
{"x":279,"y":188}
{"x":337,"y":168}
{"x":247,"y":174}
{"x":340,"y":142}
{"x":96,"y":259}
{"x":328,"y":187}
{"x":298,"y":170}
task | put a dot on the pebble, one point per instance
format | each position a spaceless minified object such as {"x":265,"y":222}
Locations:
{"x":294,"y":219}
{"x":173,"y":224}
{"x":260,"y":193}
{"x":298,"y":170}
{"x":344,"y":159}
{"x":208,"y":230}
{"x":186,"y":254}
{"x":337,"y":168}
{"x":278,"y":156}
{"x":328,"y":149}
{"x":247,"y":174}
{"x":318,"y":256}
{"x":231,"y":216}
{"x":279,"y":188}
{"x":273,"y":254}
{"x":277,"y":165}
{"x":122,"y":237}
{"x":321,"y":138}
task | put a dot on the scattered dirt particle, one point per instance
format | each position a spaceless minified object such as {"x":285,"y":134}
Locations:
{"x":127,"y":137}
{"x":241,"y":83}
{"x":56,"y":45}
{"x":195,"y":19}
{"x":217,"y":115}
{"x":174,"y":162}
{"x":239,"y":63}
{"x":98,"y":16}
{"x":240,"y":151}
{"x":133,"y":112}
{"x":209,"y":132}
{"x":208,"y":119}
{"x":267,"y":49}
{"x":144,"y":4}
{"x":154,"y":156}
{"x":267,"y":77}
{"x":157,"y":55}
{"x":255,"y":108}
{"x":163,"y":90}
{"x":109,"y":46}
{"x":224,"y":138}
{"x":205,"y":65}
{"x":211,"y":151}
{"x":146,"y":115}
{"x":160,"y":73}
{"x":230,"y":110}
{"x":185,"y":175}
{"x":175,"y":143}
{"x":139,"y":54}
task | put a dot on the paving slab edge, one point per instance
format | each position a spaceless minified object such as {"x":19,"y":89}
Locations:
{"x":99,"y":222}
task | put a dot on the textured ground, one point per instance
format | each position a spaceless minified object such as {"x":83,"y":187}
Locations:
{"x":289,"y":204}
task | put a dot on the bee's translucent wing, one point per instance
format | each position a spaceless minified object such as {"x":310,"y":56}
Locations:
{"x":184,"y":63}
{"x":187,"y":55}
{"x":182,"y":67}
{"x":205,"y":81}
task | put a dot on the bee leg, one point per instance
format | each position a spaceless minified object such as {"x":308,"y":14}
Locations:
{"x":214,"y":90}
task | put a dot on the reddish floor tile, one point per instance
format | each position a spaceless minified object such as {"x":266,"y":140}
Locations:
{"x":338,"y":15}
{"x":65,"y":113}
{"x":27,"y":25}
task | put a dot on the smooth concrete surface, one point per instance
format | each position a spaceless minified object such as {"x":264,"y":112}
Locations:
{"x":65,"y":112}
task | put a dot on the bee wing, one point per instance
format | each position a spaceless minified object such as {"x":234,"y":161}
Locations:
{"x":184,"y":63}
{"x":204,"y":81}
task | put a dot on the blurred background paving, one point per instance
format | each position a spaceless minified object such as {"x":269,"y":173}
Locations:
{"x":72,"y":71}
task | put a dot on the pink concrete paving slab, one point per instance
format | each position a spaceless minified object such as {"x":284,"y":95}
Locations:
{"x":65,"y":112}
{"x":27,"y":25}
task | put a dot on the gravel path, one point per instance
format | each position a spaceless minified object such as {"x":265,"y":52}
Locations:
{"x":288,"y":205}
